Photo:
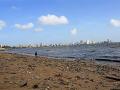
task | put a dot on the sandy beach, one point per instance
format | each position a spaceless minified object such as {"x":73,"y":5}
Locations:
{"x":22,"y":72}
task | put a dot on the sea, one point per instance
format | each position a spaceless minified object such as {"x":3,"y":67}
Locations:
{"x":73,"y":52}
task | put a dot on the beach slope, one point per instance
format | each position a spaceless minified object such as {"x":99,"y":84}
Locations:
{"x":22,"y":72}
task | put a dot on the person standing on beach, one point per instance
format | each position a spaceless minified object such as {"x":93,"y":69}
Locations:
{"x":36,"y":54}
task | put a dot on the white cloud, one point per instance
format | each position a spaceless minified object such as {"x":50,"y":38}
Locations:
{"x":38,"y":29}
{"x":115,"y":22}
{"x":74,"y":31}
{"x":24,"y":26}
{"x":2,"y":24}
{"x":53,"y":20}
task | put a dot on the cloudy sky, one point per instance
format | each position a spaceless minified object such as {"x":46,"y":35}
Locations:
{"x":58,"y":21}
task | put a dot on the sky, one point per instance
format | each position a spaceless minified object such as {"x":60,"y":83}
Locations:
{"x":58,"y":21}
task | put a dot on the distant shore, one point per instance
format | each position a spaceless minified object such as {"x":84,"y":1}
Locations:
{"x":22,"y":72}
{"x":2,"y":49}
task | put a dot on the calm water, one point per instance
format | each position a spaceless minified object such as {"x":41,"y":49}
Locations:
{"x":86,"y":52}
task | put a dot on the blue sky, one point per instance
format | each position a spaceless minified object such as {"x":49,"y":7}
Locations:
{"x":58,"y":21}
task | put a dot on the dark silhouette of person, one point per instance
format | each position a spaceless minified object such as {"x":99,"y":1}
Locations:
{"x":36,"y":54}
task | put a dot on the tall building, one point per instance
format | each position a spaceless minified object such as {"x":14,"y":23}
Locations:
{"x":1,"y":45}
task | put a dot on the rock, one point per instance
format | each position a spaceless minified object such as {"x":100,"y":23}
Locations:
{"x":91,"y":80}
{"x":35,"y":86}
{"x":63,"y":82}
{"x":58,"y":75}
{"x":23,"y":83}
{"x":47,"y":88}
{"x":77,"y":77}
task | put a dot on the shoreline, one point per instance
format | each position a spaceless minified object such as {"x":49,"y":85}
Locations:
{"x":22,"y":72}
{"x":101,"y":61}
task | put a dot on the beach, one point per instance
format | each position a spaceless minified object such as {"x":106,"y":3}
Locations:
{"x":23,"y":72}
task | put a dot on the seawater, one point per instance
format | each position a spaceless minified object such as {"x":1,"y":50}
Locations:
{"x":77,"y":52}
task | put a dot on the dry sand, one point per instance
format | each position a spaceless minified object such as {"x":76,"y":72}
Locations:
{"x":20,"y":72}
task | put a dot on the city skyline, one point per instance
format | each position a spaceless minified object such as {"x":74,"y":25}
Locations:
{"x":81,"y":42}
{"x":58,"y":21}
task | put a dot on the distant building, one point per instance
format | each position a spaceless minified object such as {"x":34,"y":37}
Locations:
{"x":87,"y":42}
{"x":82,"y":42}
{"x":108,"y":41}
{"x":1,"y":46}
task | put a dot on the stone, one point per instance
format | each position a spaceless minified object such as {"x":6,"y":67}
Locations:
{"x":23,"y":83}
{"x":35,"y":86}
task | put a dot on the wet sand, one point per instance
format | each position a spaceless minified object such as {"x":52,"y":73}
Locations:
{"x":22,"y":72}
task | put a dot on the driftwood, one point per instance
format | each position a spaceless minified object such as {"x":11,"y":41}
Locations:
{"x":113,"y":78}
{"x":115,"y":89}
{"x":109,"y":60}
